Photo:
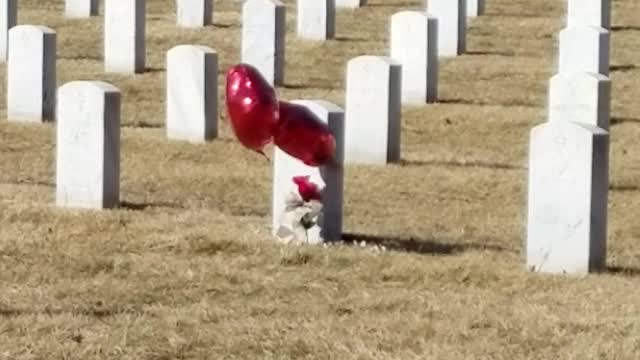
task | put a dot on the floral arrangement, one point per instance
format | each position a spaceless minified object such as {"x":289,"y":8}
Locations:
{"x":303,"y":211}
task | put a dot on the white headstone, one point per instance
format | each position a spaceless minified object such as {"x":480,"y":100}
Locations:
{"x":192,"y":93}
{"x":124,"y":36}
{"x":589,"y":12}
{"x":316,"y":19}
{"x":475,"y":8}
{"x":350,"y":4}
{"x":414,"y":44}
{"x":8,"y":19}
{"x":88,"y":145}
{"x":584,"y":49}
{"x":452,"y":25}
{"x":580,"y":97}
{"x":263,"y":38}
{"x":568,"y":190}
{"x":373,"y":114}
{"x":31,"y":74}
{"x":329,"y":177}
{"x":81,"y":8}
{"x":194,"y":13}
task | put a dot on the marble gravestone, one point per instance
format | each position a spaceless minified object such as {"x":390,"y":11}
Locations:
{"x":88,"y":145}
{"x":475,"y":8}
{"x":350,"y":4}
{"x":31,"y":74}
{"x":192,"y":93}
{"x":263,"y":38}
{"x":452,"y":25}
{"x":414,"y":44}
{"x":8,"y":19}
{"x":328,"y":177}
{"x":373,"y":110}
{"x":124,"y":36}
{"x":568,"y":191}
{"x":194,"y":13}
{"x":589,"y":12}
{"x":580,"y":97}
{"x":584,"y":49}
{"x":81,"y":8}
{"x":316,"y":19}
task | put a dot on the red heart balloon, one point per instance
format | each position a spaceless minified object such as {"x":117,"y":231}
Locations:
{"x":252,"y":106}
{"x":302,"y":135}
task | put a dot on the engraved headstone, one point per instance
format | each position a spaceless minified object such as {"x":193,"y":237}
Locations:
{"x":328,"y":177}
{"x":192,"y":93}
{"x":263,"y":38}
{"x":373,"y":110}
{"x":31,"y":74}
{"x":452,"y":25}
{"x":124,"y":36}
{"x":568,"y":191}
{"x":88,"y":145}
{"x":8,"y":19}
{"x":414,"y":44}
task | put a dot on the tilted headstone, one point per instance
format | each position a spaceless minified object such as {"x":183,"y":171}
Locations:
{"x":316,"y":19}
{"x":589,"y":12}
{"x":475,"y":8}
{"x":373,"y":110}
{"x":31,"y":74}
{"x":580,"y":97}
{"x":88,"y":145}
{"x":568,"y":190}
{"x":124,"y":36}
{"x":194,"y":13}
{"x":263,"y":38}
{"x":414,"y":44}
{"x":81,"y":8}
{"x":192,"y":93}
{"x":8,"y":19}
{"x":584,"y":49}
{"x":328,"y":226}
{"x":452,"y":25}
{"x":350,"y":4}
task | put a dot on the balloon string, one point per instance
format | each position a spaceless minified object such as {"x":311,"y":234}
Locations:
{"x":263,"y":154}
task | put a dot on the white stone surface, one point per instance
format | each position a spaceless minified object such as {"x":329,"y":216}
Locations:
{"x":88,"y":145}
{"x":124,"y":36}
{"x":81,"y":8}
{"x":580,"y":97}
{"x":584,"y":49}
{"x":475,"y":8}
{"x":452,"y":25}
{"x":192,"y":93}
{"x":350,"y":4}
{"x":316,"y":19}
{"x":589,"y":12}
{"x":8,"y":19}
{"x":329,"y":177}
{"x":194,"y":13}
{"x":373,"y":110}
{"x":568,"y":190}
{"x":31,"y":74}
{"x":263,"y":38}
{"x":414,"y":44}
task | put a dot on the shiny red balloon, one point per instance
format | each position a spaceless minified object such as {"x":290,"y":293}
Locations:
{"x":302,"y":135}
{"x":252,"y":106}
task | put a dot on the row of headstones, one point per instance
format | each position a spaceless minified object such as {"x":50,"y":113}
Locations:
{"x":441,"y":30}
{"x":88,"y":157}
{"x":192,"y":113}
{"x":569,"y":154}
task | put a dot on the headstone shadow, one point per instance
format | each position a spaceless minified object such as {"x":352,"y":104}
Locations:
{"x":423,"y":246}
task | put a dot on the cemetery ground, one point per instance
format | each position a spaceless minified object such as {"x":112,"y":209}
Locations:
{"x":187,"y":268}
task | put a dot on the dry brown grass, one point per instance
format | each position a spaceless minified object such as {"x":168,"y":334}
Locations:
{"x":187,"y":268}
